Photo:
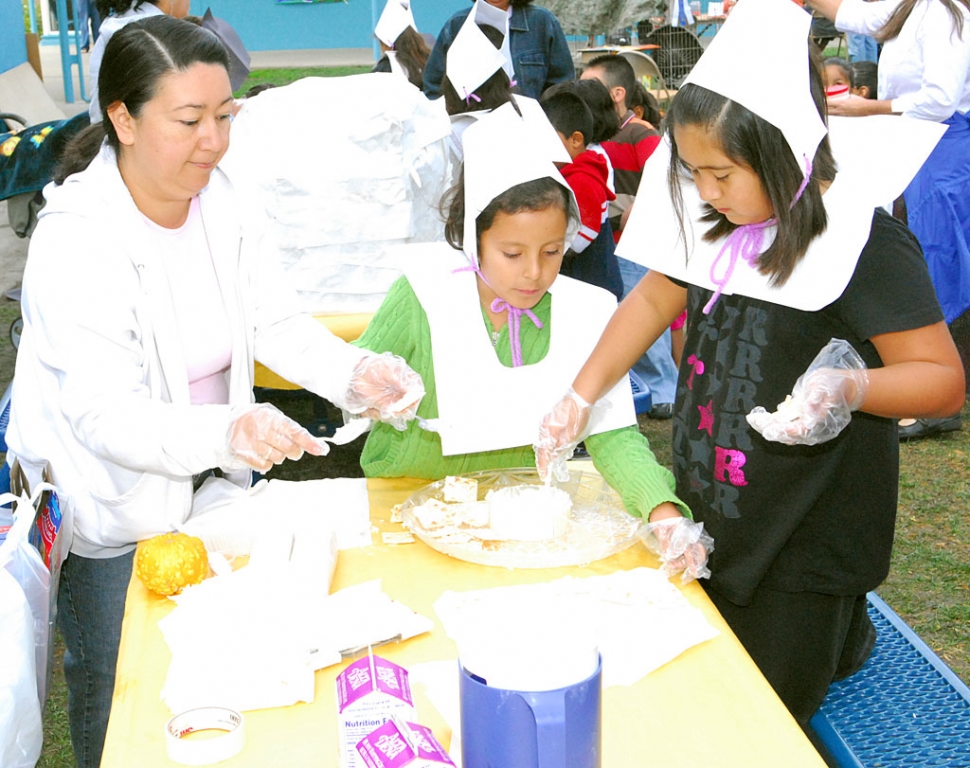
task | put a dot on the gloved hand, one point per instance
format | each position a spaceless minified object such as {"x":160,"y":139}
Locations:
{"x":384,"y":387}
{"x":682,"y":546}
{"x":261,"y":435}
{"x":559,"y":434}
{"x":821,"y":403}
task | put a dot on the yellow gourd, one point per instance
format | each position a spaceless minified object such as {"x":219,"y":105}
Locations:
{"x":169,"y":563}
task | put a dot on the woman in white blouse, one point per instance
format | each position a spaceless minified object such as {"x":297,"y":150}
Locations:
{"x":924,"y":73}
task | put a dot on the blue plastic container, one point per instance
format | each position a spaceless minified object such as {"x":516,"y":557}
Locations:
{"x":502,"y":728}
{"x":642,"y":397}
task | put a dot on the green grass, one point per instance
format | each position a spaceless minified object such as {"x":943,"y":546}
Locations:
{"x":286,"y":76}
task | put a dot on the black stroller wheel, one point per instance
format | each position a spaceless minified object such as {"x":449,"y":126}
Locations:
{"x":16,"y":329}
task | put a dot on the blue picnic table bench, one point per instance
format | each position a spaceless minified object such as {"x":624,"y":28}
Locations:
{"x":904,"y":708}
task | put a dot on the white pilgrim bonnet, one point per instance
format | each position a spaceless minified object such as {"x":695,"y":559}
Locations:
{"x":395,"y":18}
{"x":760,"y":60}
{"x":876,"y":158}
{"x":472,"y":58}
{"x":502,"y":150}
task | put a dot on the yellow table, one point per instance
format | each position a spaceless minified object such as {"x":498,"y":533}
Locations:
{"x":347,"y":327}
{"x":709,"y":707}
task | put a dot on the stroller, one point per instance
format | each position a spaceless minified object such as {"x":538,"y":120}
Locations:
{"x":28,"y":156}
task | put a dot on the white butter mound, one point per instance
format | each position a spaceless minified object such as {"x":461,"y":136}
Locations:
{"x":528,"y":513}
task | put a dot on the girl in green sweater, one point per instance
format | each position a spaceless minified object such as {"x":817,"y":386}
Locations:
{"x":478,"y":327}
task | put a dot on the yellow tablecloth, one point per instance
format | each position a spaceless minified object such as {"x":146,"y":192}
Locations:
{"x":708,"y":708}
{"x":347,"y":327}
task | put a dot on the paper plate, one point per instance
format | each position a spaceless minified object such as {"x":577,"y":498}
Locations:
{"x":598,"y":524}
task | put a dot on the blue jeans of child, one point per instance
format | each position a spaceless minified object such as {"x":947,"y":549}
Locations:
{"x":656,"y":367}
{"x":861,"y":47}
{"x":90,"y":609}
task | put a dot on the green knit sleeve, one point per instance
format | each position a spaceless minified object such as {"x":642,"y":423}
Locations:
{"x":392,"y":329}
{"x":624,"y":459}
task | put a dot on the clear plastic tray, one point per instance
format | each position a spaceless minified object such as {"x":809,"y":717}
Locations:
{"x":598,"y":525}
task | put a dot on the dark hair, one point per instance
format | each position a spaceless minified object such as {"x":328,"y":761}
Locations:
{"x":412,"y":53}
{"x":843,"y":65}
{"x":642,"y":98}
{"x":135,"y":60}
{"x":597,"y":99}
{"x":491,"y":94}
{"x":568,"y":113}
{"x":753,"y":142}
{"x":617,"y":71}
{"x":866,"y":74}
{"x":902,"y":11}
{"x":117,"y":7}
{"x":535,"y":195}
{"x":606,"y":123}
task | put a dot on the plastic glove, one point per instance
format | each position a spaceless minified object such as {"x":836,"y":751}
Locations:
{"x":384,"y":387}
{"x":821,"y":404}
{"x":559,"y":434}
{"x":261,"y":435}
{"x":682,"y":546}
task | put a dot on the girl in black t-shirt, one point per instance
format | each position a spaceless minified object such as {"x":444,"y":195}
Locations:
{"x":774,"y":249}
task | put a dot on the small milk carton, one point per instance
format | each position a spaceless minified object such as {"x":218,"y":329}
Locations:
{"x":369,"y":692}
{"x":399,"y":744}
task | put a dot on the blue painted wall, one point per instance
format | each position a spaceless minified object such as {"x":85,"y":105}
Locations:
{"x":13,"y":49}
{"x":267,"y":25}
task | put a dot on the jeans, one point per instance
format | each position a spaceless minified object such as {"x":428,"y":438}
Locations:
{"x":90,"y":609}
{"x":861,"y":47}
{"x":656,"y":367}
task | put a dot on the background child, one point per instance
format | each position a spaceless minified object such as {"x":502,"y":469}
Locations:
{"x":483,"y":340}
{"x":628,"y":151}
{"x":645,"y":106}
{"x":865,"y":79}
{"x":591,"y":256}
{"x":802,"y":531}
{"x":837,"y":71}
{"x":605,"y":120}
{"x":403,"y":48}
{"x":633,"y":143}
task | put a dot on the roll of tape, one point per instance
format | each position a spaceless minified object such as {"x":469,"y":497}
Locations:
{"x":204,"y":751}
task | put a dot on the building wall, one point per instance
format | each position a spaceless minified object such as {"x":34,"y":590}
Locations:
{"x":268,"y":25}
{"x":13,"y":49}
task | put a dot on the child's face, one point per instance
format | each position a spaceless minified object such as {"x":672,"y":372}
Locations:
{"x":834,"y":76}
{"x":734,"y":190}
{"x":520,"y":255}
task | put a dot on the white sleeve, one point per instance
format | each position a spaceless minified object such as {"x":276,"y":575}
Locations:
{"x":863,"y":18}
{"x":945,"y":59}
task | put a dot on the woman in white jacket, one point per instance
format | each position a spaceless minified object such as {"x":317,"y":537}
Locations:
{"x":145,"y":306}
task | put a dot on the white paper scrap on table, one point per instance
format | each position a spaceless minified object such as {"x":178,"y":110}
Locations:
{"x":253,"y":639}
{"x":230,"y":520}
{"x":640,"y":620}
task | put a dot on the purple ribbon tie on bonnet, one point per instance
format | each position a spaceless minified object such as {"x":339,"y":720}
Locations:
{"x":515,"y":319}
{"x":514,"y":316}
{"x":746,"y":242}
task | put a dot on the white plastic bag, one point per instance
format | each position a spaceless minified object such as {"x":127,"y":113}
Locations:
{"x":24,"y":638}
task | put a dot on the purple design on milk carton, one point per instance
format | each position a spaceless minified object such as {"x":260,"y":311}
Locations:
{"x":427,"y":745}
{"x":369,"y":675}
{"x":398,"y":744}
